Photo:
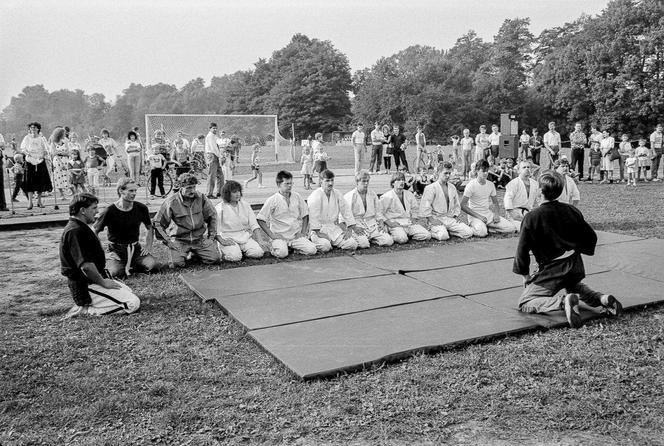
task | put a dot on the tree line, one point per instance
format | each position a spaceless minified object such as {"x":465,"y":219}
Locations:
{"x":606,"y":70}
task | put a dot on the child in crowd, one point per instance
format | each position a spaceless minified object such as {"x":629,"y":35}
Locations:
{"x":631,"y":163}
{"x":76,"y":172}
{"x":595,"y":156}
{"x":255,"y":166}
{"x":18,"y":169}
{"x":643,"y":157}
{"x":307,"y":161}
{"x":624,"y":148}
{"x":440,"y":155}
{"x":92,"y":164}
{"x":320,"y":156}
{"x":157,"y":162}
{"x":420,"y":182}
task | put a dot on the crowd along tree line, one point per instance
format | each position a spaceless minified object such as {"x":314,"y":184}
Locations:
{"x":606,"y":70}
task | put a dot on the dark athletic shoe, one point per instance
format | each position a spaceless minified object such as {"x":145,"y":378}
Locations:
{"x":571,"y":306}
{"x":611,"y":304}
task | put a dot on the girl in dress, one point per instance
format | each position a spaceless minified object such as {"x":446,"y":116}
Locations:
{"x":76,"y":172}
{"x":643,"y":158}
{"x":631,"y":163}
{"x":60,"y":154}
{"x":307,"y":161}
{"x":133,"y":149}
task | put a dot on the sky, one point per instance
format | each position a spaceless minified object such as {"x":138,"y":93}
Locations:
{"x":102,"y":46}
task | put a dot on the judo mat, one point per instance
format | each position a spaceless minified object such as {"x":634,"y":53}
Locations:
{"x":326,"y":316}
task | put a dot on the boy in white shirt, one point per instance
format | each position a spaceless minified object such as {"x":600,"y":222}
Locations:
{"x":478,"y":196}
{"x":494,"y":141}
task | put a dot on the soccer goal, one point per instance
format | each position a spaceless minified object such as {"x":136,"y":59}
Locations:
{"x":248,"y":129}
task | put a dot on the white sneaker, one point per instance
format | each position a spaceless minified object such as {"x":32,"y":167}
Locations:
{"x":246,"y":183}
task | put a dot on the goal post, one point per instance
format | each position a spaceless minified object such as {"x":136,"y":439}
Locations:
{"x":249,"y":129}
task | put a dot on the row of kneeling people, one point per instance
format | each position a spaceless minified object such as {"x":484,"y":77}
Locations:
{"x":330,"y":219}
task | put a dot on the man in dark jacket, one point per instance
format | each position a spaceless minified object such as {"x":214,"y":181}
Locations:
{"x":557,"y":235}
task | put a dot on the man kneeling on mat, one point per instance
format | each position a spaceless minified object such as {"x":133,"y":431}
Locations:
{"x":83,"y":262}
{"x":557,"y":235}
{"x":192,"y":215}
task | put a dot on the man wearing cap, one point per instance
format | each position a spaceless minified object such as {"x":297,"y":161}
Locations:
{"x":183,"y":220}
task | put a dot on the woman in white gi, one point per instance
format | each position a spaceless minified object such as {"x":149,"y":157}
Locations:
{"x":521,"y":195}
{"x":368,"y":214}
{"x":441,"y":207}
{"x":401,"y":210}
{"x":236,"y":224}
{"x":325,"y":205}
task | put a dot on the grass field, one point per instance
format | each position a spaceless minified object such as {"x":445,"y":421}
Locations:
{"x":181,"y":372}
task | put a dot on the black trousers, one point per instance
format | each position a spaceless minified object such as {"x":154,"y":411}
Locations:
{"x":577,"y":157}
{"x":157,"y":178}
{"x":400,"y":157}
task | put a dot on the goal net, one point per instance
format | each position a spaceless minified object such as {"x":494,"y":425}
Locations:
{"x":248,"y":129}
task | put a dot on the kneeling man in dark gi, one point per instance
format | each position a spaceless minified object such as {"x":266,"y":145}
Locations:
{"x":557,"y":234}
{"x":83,"y":262}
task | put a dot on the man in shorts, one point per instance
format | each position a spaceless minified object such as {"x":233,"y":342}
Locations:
{"x":189,"y":222}
{"x":557,"y":234}
{"x":285,"y":219}
{"x":83,"y":262}
{"x":478,"y":196}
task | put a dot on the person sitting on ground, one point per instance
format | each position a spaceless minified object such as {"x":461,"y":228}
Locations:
{"x":284,"y":217}
{"x":123,"y":220}
{"x":83,"y":263}
{"x":521,"y":195}
{"x":478,"y":196}
{"x":326,"y":204}
{"x":401,"y":212}
{"x":184,"y":218}
{"x":557,"y":234}
{"x":441,"y":207}
{"x":236,"y":224}
{"x":368,"y":213}
{"x":570,"y":193}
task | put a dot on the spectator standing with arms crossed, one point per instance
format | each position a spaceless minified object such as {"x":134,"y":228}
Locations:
{"x":377,"y":141}
{"x":578,"y":141}
{"x":399,"y":142}
{"x":552,"y":144}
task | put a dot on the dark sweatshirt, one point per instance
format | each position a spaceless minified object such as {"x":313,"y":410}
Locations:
{"x":549,"y":231}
